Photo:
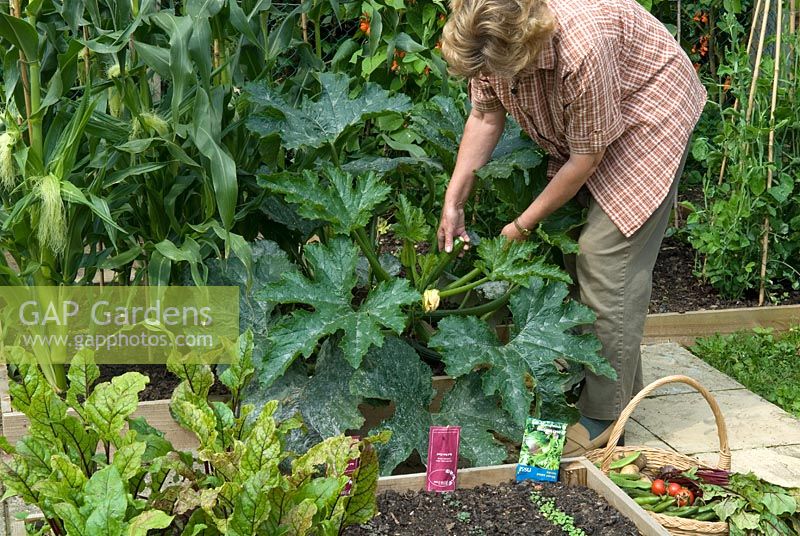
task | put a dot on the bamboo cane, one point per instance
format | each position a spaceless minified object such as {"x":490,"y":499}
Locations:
{"x":757,"y":64}
{"x":771,"y":149}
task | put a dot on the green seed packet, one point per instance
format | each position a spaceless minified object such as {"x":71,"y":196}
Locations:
{"x":542,"y":446}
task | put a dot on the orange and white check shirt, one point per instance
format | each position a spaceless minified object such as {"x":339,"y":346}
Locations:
{"x":611,"y":77}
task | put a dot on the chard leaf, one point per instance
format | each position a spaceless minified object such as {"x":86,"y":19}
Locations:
{"x":501,"y":259}
{"x":395,"y":372}
{"x":153,"y":438}
{"x":105,"y":502}
{"x":36,"y":451}
{"x":745,"y":520}
{"x":82,"y":374}
{"x":300,"y":518}
{"x":360,"y":505}
{"x":80,"y":443}
{"x":67,"y":472}
{"x":262,"y":448}
{"x":337,"y":200}
{"x":73,"y":521}
{"x":193,"y":413}
{"x":251,"y":505}
{"x":111,"y":403}
{"x":330,"y":294}
{"x":779,"y":503}
{"x":480,"y":417}
{"x":25,"y":389}
{"x":333,"y":454}
{"x":20,"y":480}
{"x":128,"y":460}
{"x":148,"y":520}
{"x":237,"y":375}
{"x":316,"y":123}
{"x":198,"y":378}
{"x":524,"y":369}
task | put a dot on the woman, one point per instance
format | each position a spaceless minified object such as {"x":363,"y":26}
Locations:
{"x":608,"y":93}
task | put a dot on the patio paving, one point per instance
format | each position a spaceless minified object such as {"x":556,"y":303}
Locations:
{"x":762,"y":437}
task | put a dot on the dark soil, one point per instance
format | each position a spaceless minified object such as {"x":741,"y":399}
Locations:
{"x":492,"y":510}
{"x":677,"y":290}
{"x":162,"y":381}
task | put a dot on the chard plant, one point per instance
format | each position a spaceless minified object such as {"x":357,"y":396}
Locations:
{"x":354,"y":322}
{"x":101,"y":471}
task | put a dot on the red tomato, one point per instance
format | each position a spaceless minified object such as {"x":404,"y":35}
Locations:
{"x":674,"y":488}
{"x":659,"y":487}
{"x":684,"y":497}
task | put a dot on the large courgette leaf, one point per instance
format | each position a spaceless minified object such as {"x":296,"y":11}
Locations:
{"x":524,"y":371}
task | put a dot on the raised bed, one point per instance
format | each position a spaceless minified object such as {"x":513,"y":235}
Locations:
{"x":573,"y":472}
{"x":682,"y":328}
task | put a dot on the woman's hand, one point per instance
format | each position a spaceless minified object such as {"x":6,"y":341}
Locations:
{"x":451,"y":227}
{"x":511,"y":232}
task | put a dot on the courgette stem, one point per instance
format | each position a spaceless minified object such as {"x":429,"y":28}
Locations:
{"x":469,"y":276}
{"x":478,"y":310}
{"x":458,"y":245}
{"x":460,"y":290}
{"x":360,"y":236}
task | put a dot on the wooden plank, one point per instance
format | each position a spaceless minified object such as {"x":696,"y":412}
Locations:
{"x":574,"y":472}
{"x":156,"y":412}
{"x":684,"y":328}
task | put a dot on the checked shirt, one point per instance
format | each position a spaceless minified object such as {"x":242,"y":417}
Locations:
{"x":611,"y":77}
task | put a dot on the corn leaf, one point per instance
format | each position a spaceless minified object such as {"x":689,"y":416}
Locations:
{"x":524,"y":371}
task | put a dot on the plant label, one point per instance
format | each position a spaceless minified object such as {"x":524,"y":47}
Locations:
{"x":540,"y":455}
{"x":443,"y":444}
{"x":352,"y":465}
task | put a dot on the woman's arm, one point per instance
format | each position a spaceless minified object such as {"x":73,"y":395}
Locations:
{"x":481,"y":133}
{"x":559,"y":190}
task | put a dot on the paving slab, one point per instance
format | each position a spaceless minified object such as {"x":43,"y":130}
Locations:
{"x":779,"y":465}
{"x":685,"y":422}
{"x":638,"y":435}
{"x":659,"y":360}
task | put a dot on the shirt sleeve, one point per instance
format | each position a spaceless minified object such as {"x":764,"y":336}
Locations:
{"x":482,"y":95}
{"x":593,"y":119}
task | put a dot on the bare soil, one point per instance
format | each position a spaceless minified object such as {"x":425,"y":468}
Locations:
{"x":492,"y":510}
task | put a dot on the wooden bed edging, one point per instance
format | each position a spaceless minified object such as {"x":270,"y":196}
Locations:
{"x":684,"y":328}
{"x":573,"y":472}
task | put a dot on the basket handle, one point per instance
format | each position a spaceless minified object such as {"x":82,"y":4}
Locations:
{"x":619,"y":427}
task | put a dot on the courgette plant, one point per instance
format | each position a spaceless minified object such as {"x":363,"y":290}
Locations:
{"x":352,"y":320}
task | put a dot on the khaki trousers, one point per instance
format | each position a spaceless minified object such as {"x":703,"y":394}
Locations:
{"x":614,"y":276}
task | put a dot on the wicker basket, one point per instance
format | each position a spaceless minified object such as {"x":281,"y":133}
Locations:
{"x":657,"y":458}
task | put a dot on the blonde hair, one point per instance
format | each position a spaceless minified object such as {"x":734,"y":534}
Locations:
{"x":497,"y":37}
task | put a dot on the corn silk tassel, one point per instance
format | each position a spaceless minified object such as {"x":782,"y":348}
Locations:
{"x":52,"y":229}
{"x":8,"y":140}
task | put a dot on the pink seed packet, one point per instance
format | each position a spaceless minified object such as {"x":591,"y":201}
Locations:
{"x":352,"y":465}
{"x":443,"y":444}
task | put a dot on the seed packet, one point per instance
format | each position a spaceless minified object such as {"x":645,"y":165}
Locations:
{"x":443,"y":444}
{"x":542,"y":446}
{"x":352,"y":465}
